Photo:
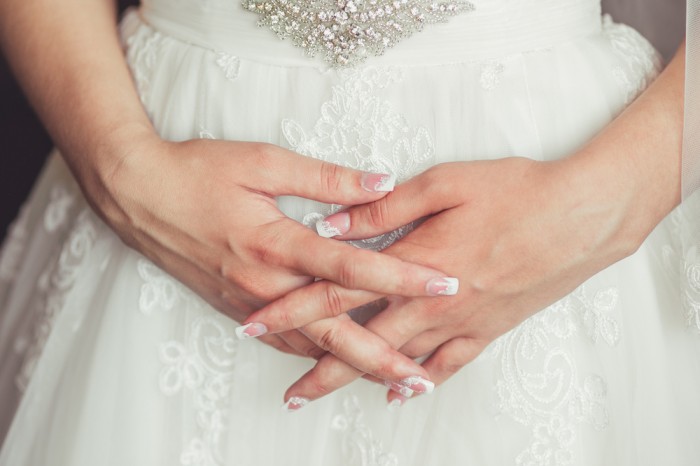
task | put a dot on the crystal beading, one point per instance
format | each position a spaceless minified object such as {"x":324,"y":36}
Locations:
{"x":346,"y":32}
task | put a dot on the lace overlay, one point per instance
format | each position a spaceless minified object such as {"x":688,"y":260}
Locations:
{"x":359,"y":447}
{"x":358,"y":129}
{"x":142,"y":55}
{"x":541,"y":387}
{"x":201,"y":365}
{"x":642,"y":63}
{"x":14,"y":247}
{"x":53,"y":286}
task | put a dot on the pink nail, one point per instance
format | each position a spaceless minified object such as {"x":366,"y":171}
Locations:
{"x":251,"y":330}
{"x":418,"y":384}
{"x":445,"y":286}
{"x":378,"y":182}
{"x":400,"y":389}
{"x":295,"y":403}
{"x":334,"y":225}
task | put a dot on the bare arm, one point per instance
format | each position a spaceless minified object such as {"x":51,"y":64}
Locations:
{"x":68,"y":58}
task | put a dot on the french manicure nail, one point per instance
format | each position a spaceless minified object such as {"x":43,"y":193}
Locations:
{"x":418,"y":384}
{"x":378,"y":182}
{"x":252,"y":330}
{"x":444,"y":286}
{"x":400,"y":389}
{"x":333,"y":225}
{"x":395,"y":404}
{"x":295,"y":403}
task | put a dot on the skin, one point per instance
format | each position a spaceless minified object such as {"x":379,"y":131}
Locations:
{"x":516,"y":246}
{"x":612,"y":193}
{"x":235,"y":248}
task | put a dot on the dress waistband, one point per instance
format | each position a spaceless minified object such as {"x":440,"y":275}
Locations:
{"x":490,"y":31}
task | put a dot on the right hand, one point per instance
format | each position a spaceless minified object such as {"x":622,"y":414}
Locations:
{"x":205,"y":211}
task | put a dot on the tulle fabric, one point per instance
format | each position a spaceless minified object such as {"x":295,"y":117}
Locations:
{"x":108,"y":360}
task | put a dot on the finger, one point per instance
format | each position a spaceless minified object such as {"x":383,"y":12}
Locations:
{"x":288,"y":173}
{"x":353,"y":350}
{"x":288,"y":244}
{"x":317,"y":301}
{"x":419,"y":197}
{"x":446,"y":361}
{"x":302,"y":344}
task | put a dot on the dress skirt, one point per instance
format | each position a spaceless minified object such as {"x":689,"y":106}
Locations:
{"x":107,"y":360}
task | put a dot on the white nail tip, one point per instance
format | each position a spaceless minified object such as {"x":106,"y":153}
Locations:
{"x":259,"y":329}
{"x":426,"y":386}
{"x":394,"y":404}
{"x":386,"y":184}
{"x":445,"y":286}
{"x":398,"y":388}
{"x":295,"y":403}
{"x":326,"y":229}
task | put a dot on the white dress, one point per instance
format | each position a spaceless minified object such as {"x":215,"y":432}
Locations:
{"x":107,"y":360}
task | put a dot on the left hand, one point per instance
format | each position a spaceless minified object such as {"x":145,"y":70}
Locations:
{"x":519,"y":235}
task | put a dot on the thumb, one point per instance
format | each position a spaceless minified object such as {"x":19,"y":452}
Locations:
{"x":419,"y":197}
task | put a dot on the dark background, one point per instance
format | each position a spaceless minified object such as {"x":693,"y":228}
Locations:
{"x":24,"y":144}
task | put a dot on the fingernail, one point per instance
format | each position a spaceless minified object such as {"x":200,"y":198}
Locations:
{"x":396,"y":403}
{"x":398,"y":388}
{"x":295,"y":403}
{"x":378,"y":182}
{"x":444,"y":286}
{"x":418,"y":384}
{"x":333,"y":225}
{"x":251,"y":330}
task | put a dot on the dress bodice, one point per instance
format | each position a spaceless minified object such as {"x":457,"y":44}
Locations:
{"x":346,"y":32}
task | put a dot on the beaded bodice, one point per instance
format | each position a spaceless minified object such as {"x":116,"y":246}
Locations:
{"x":344,"y":33}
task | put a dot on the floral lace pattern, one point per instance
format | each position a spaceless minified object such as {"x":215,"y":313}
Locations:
{"x":142,"y":55}
{"x":202,"y":364}
{"x":641,"y":64}
{"x":541,"y":387}
{"x":54,"y":285}
{"x":359,"y":446}
{"x":229,"y":64}
{"x":14,"y":246}
{"x":358,"y":129}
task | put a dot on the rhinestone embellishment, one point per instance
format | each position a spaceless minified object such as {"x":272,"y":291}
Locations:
{"x":346,"y":32}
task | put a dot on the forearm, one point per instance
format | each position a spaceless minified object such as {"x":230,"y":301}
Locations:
{"x":638,"y":156}
{"x":68,"y":59}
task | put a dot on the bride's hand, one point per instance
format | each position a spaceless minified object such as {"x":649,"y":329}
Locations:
{"x":519,"y":235}
{"x":205,"y":211}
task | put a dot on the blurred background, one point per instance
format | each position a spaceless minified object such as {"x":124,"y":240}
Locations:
{"x":24,"y":144}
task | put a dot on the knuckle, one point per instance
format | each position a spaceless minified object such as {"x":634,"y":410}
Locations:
{"x":332,"y":300}
{"x":347,"y":276}
{"x":313,"y":351}
{"x":331,"y":177}
{"x":331,"y":339}
{"x":321,"y":383}
{"x":378,"y":213}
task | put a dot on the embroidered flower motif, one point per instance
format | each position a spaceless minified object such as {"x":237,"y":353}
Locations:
{"x":359,"y":447}
{"x":640,"y":64}
{"x":359,"y":130}
{"x":491,"y":73}
{"x":14,"y":246}
{"x":57,"y":210}
{"x":200,"y":366}
{"x":142,"y":56}
{"x":540,"y":386}
{"x":54,"y":285}
{"x":229,"y":64}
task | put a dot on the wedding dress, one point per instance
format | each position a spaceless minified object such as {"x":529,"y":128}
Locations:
{"x":107,"y":360}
